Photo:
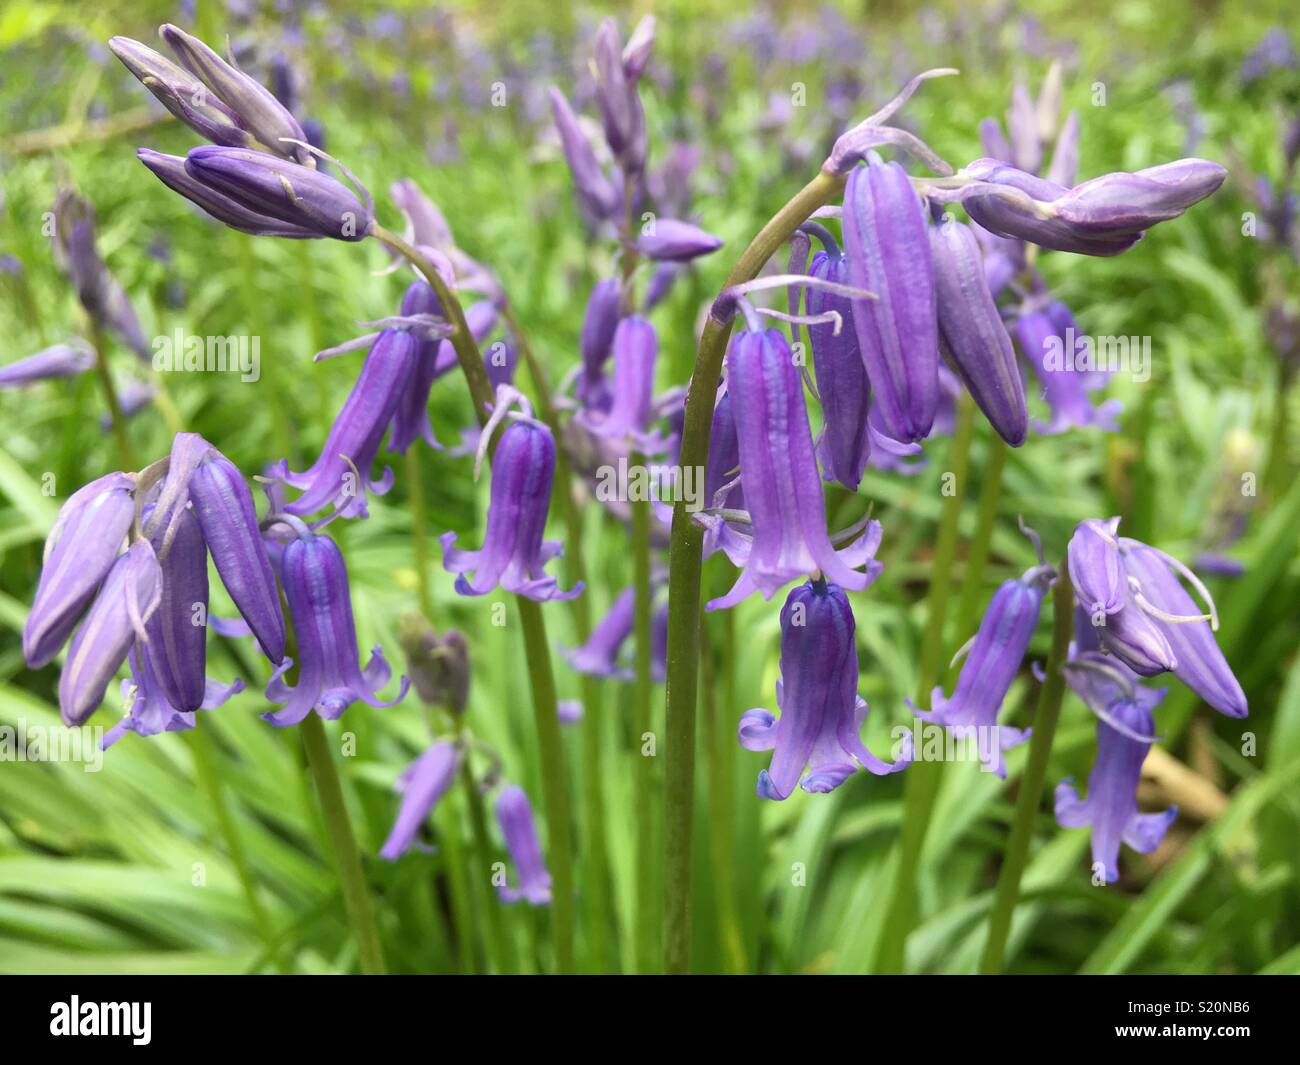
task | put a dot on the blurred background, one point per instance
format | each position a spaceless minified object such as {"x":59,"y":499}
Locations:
{"x":99,"y":872}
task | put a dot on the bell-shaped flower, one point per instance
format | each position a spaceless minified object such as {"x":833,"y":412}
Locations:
{"x":992,"y":663}
{"x":783,"y":492}
{"x":513,"y":555}
{"x":515,"y":816}
{"x":604,"y":308}
{"x":421,"y":785}
{"x":1064,"y":386}
{"x":117,"y":618}
{"x":888,"y":252}
{"x":595,"y":190}
{"x":177,"y":648}
{"x":670,"y":240}
{"x":61,"y":360}
{"x":1125,"y":733}
{"x":631,"y":395}
{"x":315,"y":581}
{"x":817,"y":741}
{"x":148,"y":710}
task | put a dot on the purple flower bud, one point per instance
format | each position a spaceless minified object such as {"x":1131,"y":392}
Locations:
{"x":669,"y":240}
{"x":177,"y":648}
{"x":994,"y":142}
{"x":330,"y":679}
{"x":991,"y":665}
{"x":61,"y":360}
{"x":636,"y":347}
{"x":421,"y":785}
{"x":1022,"y":123}
{"x":1065,"y":156}
{"x":972,"y":333}
{"x":841,"y":377}
{"x":636,"y":53}
{"x":596,"y":191}
{"x":779,"y":474}
{"x":515,"y":816}
{"x":170,"y":170}
{"x":660,"y":285}
{"x":514,"y":554}
{"x":293,"y":194}
{"x":438,"y":665}
{"x":224,"y":508}
{"x":148,"y":710}
{"x":252,"y":104}
{"x":1135,"y":639}
{"x":889,"y":254}
{"x":820,"y":727}
{"x":597,"y":339}
{"x":79,"y":552}
{"x":621,"y":112}
{"x":341,"y":475}
{"x":122,"y":608}
{"x":1125,"y":729}
{"x":1096,"y":570}
{"x":1104,"y":216}
{"x":185,"y":96}
{"x":1199,"y":661}
{"x":599,"y":656}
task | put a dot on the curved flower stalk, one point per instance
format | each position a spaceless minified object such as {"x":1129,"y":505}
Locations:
{"x":149,"y":710}
{"x":995,"y":657}
{"x":515,"y":816}
{"x":779,"y":474}
{"x":816,"y":742}
{"x":315,"y":581}
{"x":1125,"y":733}
{"x":421,"y":785}
{"x":514,"y":555}
{"x":1158,"y":627}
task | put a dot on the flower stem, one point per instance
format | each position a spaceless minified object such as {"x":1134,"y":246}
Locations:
{"x":499,"y":949}
{"x":125,"y":455}
{"x":554,"y":785}
{"x":356,"y":895}
{"x":684,"y":579}
{"x":419,"y":532}
{"x":205,"y":766}
{"x":922,"y":784}
{"x":1030,"y":793}
{"x":978,"y":556}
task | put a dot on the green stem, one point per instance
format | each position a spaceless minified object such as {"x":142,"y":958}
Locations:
{"x":499,"y":947}
{"x":205,"y":766}
{"x":645,"y":937}
{"x":922,"y":783}
{"x":125,"y":455}
{"x":1030,"y":793}
{"x":462,"y":907}
{"x":684,"y":579}
{"x":977,"y":559}
{"x":554,"y":785}
{"x":419,"y":532}
{"x":356,"y":895}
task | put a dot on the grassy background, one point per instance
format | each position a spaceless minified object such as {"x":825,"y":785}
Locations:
{"x":98,"y":871}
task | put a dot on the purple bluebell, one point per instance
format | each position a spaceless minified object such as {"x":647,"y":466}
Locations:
{"x":296,"y":195}
{"x":315,"y":581}
{"x":80,"y":550}
{"x":1063,"y":386}
{"x":889,"y":255}
{"x":670,"y":240}
{"x":1096,"y":570}
{"x":116,"y":619}
{"x":421,"y":785}
{"x":1104,"y":216}
{"x":224,"y":508}
{"x":597,"y":340}
{"x":340,"y":476}
{"x":177,"y":648}
{"x":438,"y":665}
{"x":971,"y":331}
{"x":842,"y":380}
{"x":515,"y":816}
{"x":621,"y":112}
{"x":994,"y":660}
{"x":818,"y":736}
{"x":60,"y":360}
{"x":636,"y":348}
{"x":595,"y":190}
{"x":779,"y":473}
{"x":514,"y":554}
{"x":1125,"y":733}
{"x":149,"y":712}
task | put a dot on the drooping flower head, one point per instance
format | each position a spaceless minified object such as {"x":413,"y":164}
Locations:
{"x":149,"y":711}
{"x":817,"y":741}
{"x":779,"y":473}
{"x":513,"y":555}
{"x":1125,"y":733}
{"x":515,"y":816}
{"x":421,"y":785}
{"x":315,"y":581}
{"x":439,"y":665}
{"x":60,"y":360}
